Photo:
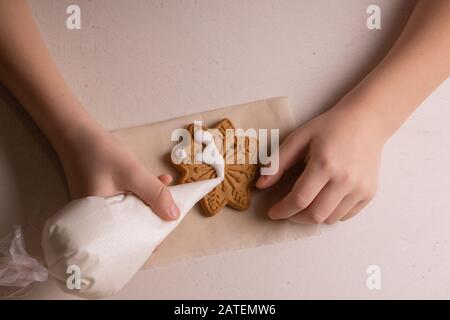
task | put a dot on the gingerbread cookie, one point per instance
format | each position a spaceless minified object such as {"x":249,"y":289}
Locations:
{"x":241,"y":170}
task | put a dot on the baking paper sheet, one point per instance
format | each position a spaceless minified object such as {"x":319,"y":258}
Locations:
{"x":198,"y":235}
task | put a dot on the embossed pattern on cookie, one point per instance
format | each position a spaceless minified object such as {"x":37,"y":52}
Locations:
{"x":240,"y":176}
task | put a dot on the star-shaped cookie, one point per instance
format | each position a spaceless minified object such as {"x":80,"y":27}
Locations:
{"x":240,"y":175}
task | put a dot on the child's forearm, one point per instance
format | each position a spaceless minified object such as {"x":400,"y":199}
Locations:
{"x":416,"y":65}
{"x":29,"y":72}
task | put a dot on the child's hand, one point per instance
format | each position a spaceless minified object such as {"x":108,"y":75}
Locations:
{"x":96,"y":164}
{"x":342,"y":149}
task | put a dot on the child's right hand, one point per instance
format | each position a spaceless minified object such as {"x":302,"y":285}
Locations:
{"x":96,"y":164}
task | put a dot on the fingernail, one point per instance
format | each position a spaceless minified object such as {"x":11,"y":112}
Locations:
{"x":261,"y":181}
{"x":174,"y":213}
{"x":270,"y":215}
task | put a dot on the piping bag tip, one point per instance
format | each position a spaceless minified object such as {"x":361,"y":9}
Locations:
{"x":187,"y":195}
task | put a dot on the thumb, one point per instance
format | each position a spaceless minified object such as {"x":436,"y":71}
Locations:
{"x":165,"y":178}
{"x":154,"y":192}
{"x":292,"y":149}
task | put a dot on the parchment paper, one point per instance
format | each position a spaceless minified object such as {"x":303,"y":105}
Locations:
{"x":198,"y":235}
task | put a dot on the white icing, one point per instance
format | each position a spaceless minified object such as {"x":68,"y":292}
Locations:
{"x":180,"y":154}
{"x":201,"y":136}
{"x":110,"y":239}
{"x":198,"y":136}
{"x":210,"y":155}
{"x":198,"y":157}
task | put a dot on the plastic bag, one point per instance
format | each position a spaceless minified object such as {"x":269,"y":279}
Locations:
{"x":17,"y":268}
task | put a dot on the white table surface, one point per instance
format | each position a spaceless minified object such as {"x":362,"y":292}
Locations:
{"x":136,"y":62}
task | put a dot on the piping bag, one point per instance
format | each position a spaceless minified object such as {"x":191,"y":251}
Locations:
{"x":94,"y":246}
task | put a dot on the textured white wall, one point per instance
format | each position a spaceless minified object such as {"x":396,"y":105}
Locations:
{"x":135,"y":62}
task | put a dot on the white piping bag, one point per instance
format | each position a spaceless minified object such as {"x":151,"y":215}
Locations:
{"x":94,"y":246}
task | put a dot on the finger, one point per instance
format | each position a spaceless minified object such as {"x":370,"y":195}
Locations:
{"x":343,"y":208}
{"x":307,"y":187}
{"x":165,"y":178}
{"x":291,"y":150}
{"x":323,"y":205}
{"x":355,"y":210}
{"x":156,"y":194}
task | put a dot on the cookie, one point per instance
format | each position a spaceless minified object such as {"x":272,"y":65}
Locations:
{"x":240,"y":172}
